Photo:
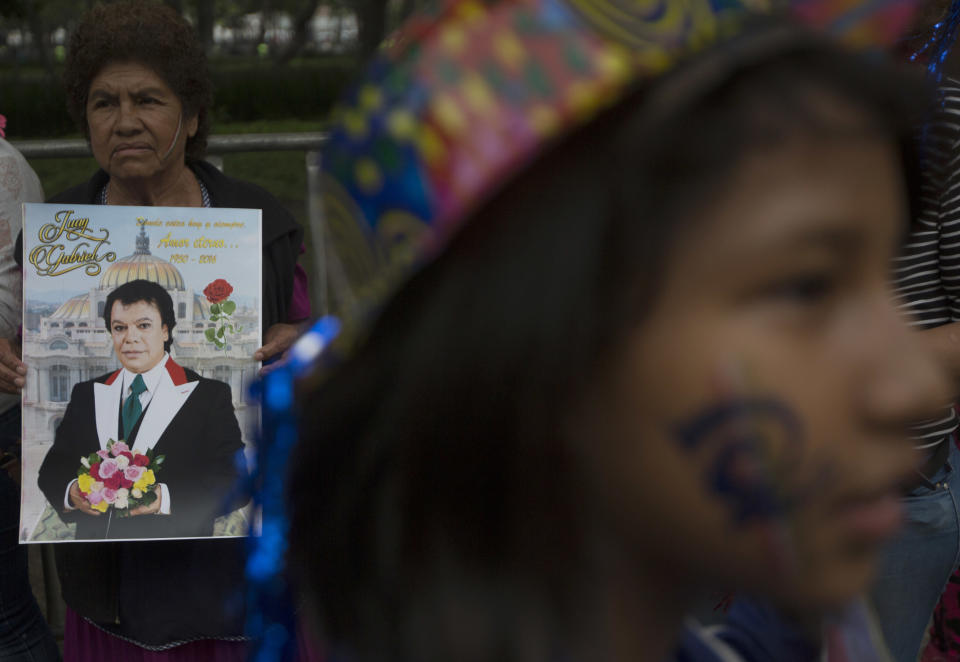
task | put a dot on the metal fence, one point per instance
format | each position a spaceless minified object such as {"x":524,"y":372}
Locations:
{"x":216,"y":145}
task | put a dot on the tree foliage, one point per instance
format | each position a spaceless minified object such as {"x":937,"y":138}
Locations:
{"x":48,"y":21}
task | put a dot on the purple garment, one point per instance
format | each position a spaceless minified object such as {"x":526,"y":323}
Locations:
{"x":300,"y":301}
{"x":85,"y":642}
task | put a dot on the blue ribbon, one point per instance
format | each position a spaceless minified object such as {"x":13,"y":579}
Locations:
{"x":271,"y":623}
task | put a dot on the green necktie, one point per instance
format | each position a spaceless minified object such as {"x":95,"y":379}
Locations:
{"x":132,"y":408}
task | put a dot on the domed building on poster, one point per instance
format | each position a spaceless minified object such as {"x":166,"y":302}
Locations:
{"x":74,"y":344}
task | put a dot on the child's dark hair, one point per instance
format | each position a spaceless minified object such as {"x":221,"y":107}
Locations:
{"x":438,"y":511}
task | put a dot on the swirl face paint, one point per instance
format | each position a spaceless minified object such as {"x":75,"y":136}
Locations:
{"x":757,"y":439}
{"x":759,"y":442}
{"x":756,"y":446}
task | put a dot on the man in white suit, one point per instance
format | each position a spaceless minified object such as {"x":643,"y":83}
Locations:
{"x":150,"y":403}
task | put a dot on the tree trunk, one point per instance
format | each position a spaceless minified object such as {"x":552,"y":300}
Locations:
{"x":205,"y":19}
{"x":372,"y":19}
{"x":39,"y":39}
{"x":266,"y":7}
{"x":301,"y":32}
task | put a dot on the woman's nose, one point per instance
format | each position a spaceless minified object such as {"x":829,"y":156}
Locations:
{"x":127,"y":118}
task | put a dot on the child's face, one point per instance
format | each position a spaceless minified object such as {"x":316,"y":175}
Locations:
{"x":757,"y":414}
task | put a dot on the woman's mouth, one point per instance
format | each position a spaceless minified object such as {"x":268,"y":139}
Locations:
{"x":131,"y":149}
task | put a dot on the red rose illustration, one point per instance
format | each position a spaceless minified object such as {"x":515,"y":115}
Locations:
{"x":113,"y":482}
{"x":126,"y":483}
{"x":127,"y":454}
{"x":95,"y":471}
{"x":141,"y":460}
{"x":217,"y":291}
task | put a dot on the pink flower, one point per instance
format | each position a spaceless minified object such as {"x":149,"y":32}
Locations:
{"x":133,"y":472}
{"x":104,"y":454}
{"x":3,"y":125}
{"x":95,"y":497}
{"x":119,"y":447}
{"x":109,"y":495}
{"x":108,"y":468}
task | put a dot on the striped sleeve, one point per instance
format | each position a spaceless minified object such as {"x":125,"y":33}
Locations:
{"x":927,"y":272}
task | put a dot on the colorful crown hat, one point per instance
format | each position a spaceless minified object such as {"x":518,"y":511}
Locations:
{"x":465,"y":96}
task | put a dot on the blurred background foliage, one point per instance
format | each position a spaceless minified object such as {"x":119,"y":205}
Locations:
{"x":270,"y":59}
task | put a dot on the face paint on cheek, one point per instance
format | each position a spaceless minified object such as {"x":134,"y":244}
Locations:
{"x":756,"y":440}
{"x":743,"y":470}
{"x":754,"y":449}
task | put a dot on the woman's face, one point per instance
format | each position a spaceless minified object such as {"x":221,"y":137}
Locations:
{"x":758,"y":414}
{"x":137,"y":126}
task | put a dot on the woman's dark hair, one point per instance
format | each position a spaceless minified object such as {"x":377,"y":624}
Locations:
{"x":149,"y":292}
{"x":151,"y":34}
{"x":439,"y":509}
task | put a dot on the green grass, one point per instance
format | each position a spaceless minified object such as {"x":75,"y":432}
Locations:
{"x":282,"y":173}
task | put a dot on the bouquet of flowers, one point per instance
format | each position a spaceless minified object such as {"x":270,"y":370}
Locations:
{"x":118,"y":477}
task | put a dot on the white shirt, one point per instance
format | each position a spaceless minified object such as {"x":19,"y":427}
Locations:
{"x":151,"y":379}
{"x":18,"y":184}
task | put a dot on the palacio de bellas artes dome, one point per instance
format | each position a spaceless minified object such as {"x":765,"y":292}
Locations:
{"x":74,"y":343}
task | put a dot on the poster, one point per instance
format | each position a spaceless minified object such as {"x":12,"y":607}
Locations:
{"x":139,"y":428}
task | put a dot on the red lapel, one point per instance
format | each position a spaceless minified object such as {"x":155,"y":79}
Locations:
{"x":176,"y":372}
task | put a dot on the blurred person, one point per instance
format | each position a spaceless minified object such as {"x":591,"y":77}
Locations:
{"x":137,"y":83}
{"x":619,"y":356}
{"x":24,"y":634}
{"x":917,"y":564}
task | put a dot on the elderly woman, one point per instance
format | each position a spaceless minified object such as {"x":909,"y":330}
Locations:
{"x":137,"y":82}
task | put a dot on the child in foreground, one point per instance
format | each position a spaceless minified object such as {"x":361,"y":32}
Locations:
{"x":634,"y":342}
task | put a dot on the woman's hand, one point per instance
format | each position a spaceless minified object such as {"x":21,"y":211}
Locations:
{"x":80,"y":502}
{"x":152,"y":509}
{"x":277,"y":340}
{"x":12,"y":370}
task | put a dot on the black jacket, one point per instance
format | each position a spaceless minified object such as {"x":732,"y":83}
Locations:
{"x":193,"y":422}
